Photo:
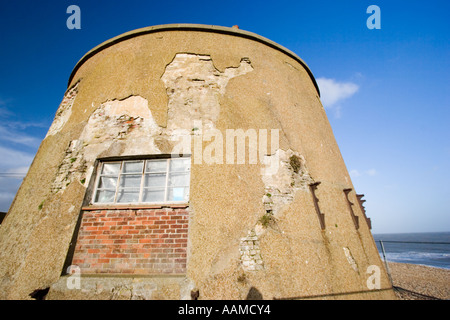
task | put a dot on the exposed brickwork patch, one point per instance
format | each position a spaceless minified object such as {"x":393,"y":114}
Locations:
{"x":133,"y":241}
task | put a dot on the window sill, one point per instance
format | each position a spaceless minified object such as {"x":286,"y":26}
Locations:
{"x":95,"y":207}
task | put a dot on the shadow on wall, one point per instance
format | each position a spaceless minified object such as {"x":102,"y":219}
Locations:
{"x":254,"y":294}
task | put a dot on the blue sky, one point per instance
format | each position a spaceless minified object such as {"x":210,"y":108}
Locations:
{"x":386,"y":91}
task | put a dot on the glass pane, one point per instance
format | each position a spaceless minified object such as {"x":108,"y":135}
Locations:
{"x":126,"y":195}
{"x":108,"y":183}
{"x":130,"y":181}
{"x":180,"y":164}
{"x":153,"y":195}
{"x":105,"y":196}
{"x":156,"y":166}
{"x":155,"y":180}
{"x":178,"y":179}
{"x":178,"y":194}
{"x":132,"y":166}
{"x":111,"y":168}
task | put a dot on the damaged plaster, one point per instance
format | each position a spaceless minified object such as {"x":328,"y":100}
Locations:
{"x":117,"y":120}
{"x":193,"y":87}
{"x":72,"y":167}
{"x":292,"y":175}
{"x":112,"y":122}
{"x":280,"y":188}
{"x":64,"y":111}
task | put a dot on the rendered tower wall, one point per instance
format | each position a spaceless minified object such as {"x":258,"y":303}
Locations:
{"x":282,"y":234}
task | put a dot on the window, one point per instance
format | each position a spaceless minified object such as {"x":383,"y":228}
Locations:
{"x":143,"y":181}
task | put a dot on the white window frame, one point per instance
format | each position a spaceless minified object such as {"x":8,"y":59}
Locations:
{"x":142,"y":185}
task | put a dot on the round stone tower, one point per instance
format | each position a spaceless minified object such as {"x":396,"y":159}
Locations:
{"x":189,"y":162}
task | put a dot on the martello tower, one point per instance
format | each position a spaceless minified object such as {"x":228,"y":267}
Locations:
{"x":189,"y":161}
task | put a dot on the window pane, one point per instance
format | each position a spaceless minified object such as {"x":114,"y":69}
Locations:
{"x":155,"y":180}
{"x":111,"y":168}
{"x":178,"y":179}
{"x":108,"y":182}
{"x":126,"y":177}
{"x":132,"y":166}
{"x":105,"y":196}
{"x":151,"y":195}
{"x":130,"y":181}
{"x":180,"y":164}
{"x":178,"y":194}
{"x":156,"y":166}
{"x":126,"y":195}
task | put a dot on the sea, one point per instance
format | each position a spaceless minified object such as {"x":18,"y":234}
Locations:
{"x":429,"y":249}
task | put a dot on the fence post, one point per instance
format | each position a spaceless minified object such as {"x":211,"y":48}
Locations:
{"x":385,"y":262}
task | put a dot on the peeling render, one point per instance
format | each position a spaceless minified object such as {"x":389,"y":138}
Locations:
{"x":72,"y":167}
{"x":64,"y":111}
{"x":193,"y":86}
{"x":112,"y":122}
{"x":116,"y":120}
{"x":292,"y":175}
{"x":280,"y":188}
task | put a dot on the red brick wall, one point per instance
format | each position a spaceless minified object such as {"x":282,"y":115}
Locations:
{"x":132,"y":241}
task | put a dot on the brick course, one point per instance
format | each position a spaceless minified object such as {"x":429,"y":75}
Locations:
{"x":132,"y":241}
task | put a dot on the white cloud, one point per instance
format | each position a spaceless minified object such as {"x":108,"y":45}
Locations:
{"x":356,"y":173}
{"x":15,"y":131}
{"x":8,"y":134}
{"x":18,"y":146}
{"x":332,"y":91}
{"x":14,"y":165}
{"x":19,"y":170}
{"x":8,"y":190}
{"x":14,"y":159}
